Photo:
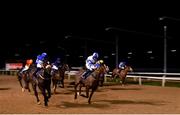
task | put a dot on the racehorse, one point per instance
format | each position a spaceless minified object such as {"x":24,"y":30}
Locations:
{"x":23,"y":78}
{"x":58,"y":76}
{"x":43,"y":81}
{"x":121,"y":73}
{"x":91,"y":82}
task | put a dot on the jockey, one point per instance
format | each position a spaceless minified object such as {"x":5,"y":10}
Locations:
{"x":91,"y":64}
{"x":56,"y":64}
{"x":41,"y":59}
{"x":28,"y":64}
{"x":122,"y":65}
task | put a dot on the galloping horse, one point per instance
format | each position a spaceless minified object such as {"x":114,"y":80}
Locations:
{"x":25,"y":77}
{"x":91,"y":82}
{"x":121,"y":73}
{"x":58,"y":76}
{"x":43,"y":81}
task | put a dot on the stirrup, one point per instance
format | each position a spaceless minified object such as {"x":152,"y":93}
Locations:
{"x":82,"y":77}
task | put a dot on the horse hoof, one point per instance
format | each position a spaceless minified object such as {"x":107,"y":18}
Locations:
{"x":39,"y":103}
{"x":23,"y":90}
{"x":75,"y":100}
{"x":77,"y":93}
{"x":45,"y":104}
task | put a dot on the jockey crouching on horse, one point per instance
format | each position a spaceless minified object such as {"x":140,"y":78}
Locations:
{"x":122,"y":65}
{"x":40,"y":61}
{"x":28,"y":64}
{"x":56,"y":65}
{"x":91,"y":65}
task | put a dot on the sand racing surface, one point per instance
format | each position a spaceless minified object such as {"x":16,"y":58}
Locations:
{"x":130,"y":99}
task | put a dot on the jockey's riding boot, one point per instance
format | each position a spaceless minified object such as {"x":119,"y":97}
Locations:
{"x":21,"y":72}
{"x":34,"y":74}
{"x":86,"y":74}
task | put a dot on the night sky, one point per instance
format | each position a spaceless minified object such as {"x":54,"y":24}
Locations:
{"x":73,"y":32}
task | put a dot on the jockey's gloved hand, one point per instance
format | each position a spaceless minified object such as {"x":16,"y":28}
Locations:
{"x":97,"y":65}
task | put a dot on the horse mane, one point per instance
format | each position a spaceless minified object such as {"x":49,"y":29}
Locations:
{"x":98,"y":71}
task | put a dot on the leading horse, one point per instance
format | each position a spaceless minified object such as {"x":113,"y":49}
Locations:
{"x":43,"y":81}
{"x":91,"y":82}
{"x":121,"y":73}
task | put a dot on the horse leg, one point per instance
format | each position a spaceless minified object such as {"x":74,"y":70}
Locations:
{"x":28,"y":86}
{"x":101,"y":81}
{"x":87,"y":91}
{"x":89,"y":100}
{"x":80,"y":87}
{"x":36,"y":93}
{"x":75,"y":90}
{"x":55,"y":85}
{"x":20,"y":82}
{"x":45,"y":97}
{"x":123,"y":81}
{"x":49,"y":89}
{"x":62,"y":81}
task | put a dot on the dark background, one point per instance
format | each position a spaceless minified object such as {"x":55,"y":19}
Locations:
{"x":74,"y":31}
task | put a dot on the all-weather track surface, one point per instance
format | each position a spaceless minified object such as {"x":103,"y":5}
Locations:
{"x":109,"y":99}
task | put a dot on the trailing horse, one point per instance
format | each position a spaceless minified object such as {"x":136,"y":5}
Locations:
{"x":121,"y":73}
{"x":25,"y":77}
{"x":58,"y":76}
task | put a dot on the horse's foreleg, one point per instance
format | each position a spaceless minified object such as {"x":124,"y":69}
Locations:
{"x":123,"y":81}
{"x":75,"y":90}
{"x":23,"y":89}
{"x":62,"y":81}
{"x":89,"y":100}
{"x":45,"y":97}
{"x":54,"y":86}
{"x":28,"y":87}
{"x":19,"y":79}
{"x":49,"y":90}
{"x":80,"y":87}
{"x":20,"y":82}
{"x":36,"y":93}
{"x":87,"y":92}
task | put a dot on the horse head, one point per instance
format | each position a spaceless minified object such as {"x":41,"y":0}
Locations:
{"x":66,"y":67}
{"x":102,"y":69}
{"x":128,"y":68}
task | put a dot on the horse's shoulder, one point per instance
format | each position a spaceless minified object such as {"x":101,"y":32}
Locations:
{"x":116,"y":70}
